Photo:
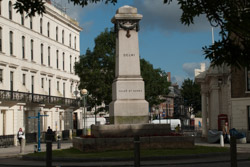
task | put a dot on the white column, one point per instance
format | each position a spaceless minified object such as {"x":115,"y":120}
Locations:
{"x":204,"y":114}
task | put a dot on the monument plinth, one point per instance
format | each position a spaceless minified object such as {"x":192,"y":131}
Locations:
{"x":128,"y":104}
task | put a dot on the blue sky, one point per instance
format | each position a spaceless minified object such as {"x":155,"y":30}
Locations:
{"x":163,"y":40}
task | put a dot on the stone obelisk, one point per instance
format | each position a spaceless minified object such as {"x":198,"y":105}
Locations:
{"x":128,"y":104}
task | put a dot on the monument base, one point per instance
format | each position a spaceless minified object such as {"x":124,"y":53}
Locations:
{"x":130,"y":130}
{"x":121,"y":137}
{"x":128,"y":112}
{"x":127,"y":143}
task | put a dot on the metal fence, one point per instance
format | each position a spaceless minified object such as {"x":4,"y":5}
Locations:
{"x":30,"y":137}
{"x":6,"y":95}
{"x":6,"y":141}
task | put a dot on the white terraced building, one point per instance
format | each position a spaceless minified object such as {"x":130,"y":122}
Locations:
{"x":37,"y":57}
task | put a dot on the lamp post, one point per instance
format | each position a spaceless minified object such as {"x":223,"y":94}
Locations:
{"x":84,"y":93}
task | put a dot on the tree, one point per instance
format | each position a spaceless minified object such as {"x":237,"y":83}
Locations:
{"x":156,"y":83}
{"x":96,"y":69}
{"x":190,"y":92}
{"x":96,"y":72}
{"x":233,"y":19}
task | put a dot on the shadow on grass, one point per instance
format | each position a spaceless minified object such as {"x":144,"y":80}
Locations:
{"x":74,"y":153}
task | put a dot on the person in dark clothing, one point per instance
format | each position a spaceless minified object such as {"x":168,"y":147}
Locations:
{"x":20,"y":135}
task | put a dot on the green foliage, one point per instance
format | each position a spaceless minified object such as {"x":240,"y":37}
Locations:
{"x":96,"y":69}
{"x":155,"y":83}
{"x":31,"y":7}
{"x":190,"y":91}
{"x":233,"y":19}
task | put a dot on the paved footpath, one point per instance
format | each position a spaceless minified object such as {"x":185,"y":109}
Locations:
{"x":14,"y":151}
{"x":11,"y":157}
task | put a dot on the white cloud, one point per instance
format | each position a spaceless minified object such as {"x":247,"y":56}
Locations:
{"x":166,"y":17}
{"x":76,"y":11}
{"x":189,"y":68}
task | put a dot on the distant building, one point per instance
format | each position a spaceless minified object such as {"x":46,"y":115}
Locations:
{"x":173,"y":105}
{"x":225,"y":93}
{"x":37,"y":57}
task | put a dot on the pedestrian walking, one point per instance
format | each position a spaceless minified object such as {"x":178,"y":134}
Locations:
{"x":226,"y":132}
{"x":20,"y":135}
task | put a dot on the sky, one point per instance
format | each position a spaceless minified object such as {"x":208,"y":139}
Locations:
{"x":163,"y":40}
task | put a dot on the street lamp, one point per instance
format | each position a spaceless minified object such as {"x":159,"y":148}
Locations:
{"x":84,"y":93}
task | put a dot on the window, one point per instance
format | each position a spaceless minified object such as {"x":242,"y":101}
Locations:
{"x":41,"y":25}
{"x":63,"y":59}
{"x":63,"y":36}
{"x":49,"y":86}
{"x":32,"y":85}
{"x":42,"y":82}
{"x":10,"y":10}
{"x":0,"y":7}
{"x":57,"y":85}
{"x":71,"y":88}
{"x":23,"y":47}
{"x":57,"y":59}
{"x":70,"y":64}
{"x":31,"y":49}
{"x":11,"y":43}
{"x":24,"y":79}
{"x":63,"y":89}
{"x":1,"y":75}
{"x":11,"y":81}
{"x":75,"y":43}
{"x":48,"y":26}
{"x":75,"y":62}
{"x":41,"y":53}
{"x":31,"y":23}
{"x":48,"y":56}
{"x":248,"y":78}
{"x":22,"y":19}
{"x":248,"y":114}
{"x":1,"y":48}
{"x":69,"y":40}
{"x":56,"y":33}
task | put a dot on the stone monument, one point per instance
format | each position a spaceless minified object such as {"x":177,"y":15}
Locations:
{"x":129,"y":110}
{"x":128,"y":104}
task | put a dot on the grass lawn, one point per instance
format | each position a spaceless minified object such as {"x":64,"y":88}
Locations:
{"x":130,"y":153}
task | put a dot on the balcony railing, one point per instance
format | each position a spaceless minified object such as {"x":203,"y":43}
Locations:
{"x":7,"y":95}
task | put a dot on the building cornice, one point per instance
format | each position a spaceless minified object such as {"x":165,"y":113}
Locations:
{"x":68,"y":21}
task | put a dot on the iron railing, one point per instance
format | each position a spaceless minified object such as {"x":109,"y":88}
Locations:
{"x":7,"y":95}
{"x":6,"y":141}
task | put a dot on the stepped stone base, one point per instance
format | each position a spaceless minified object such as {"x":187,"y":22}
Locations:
{"x":130,"y":130}
{"x":127,"y":143}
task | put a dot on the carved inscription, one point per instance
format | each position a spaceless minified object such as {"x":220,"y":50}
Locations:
{"x":130,"y":90}
{"x":128,"y":55}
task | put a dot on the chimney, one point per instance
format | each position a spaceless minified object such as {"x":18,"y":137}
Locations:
{"x":169,"y":76}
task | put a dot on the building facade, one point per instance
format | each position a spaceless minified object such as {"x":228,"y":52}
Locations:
{"x":225,"y":96}
{"x":37,"y":57}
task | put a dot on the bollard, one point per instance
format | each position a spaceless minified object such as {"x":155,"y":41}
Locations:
{"x":49,"y":150}
{"x":58,"y":142}
{"x":221,"y":141}
{"x":22,"y":146}
{"x":137,"y":151}
{"x":233,"y":151}
{"x":35,"y":148}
